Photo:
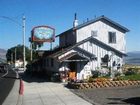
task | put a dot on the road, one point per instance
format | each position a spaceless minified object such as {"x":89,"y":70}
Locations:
{"x":112,"y":96}
{"x":6,"y":83}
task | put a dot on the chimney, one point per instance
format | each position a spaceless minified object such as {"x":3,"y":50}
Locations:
{"x":75,"y":23}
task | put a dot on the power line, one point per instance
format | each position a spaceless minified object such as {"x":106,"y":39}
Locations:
{"x":8,"y":18}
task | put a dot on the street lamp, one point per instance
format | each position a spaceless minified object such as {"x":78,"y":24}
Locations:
{"x":23,"y":28}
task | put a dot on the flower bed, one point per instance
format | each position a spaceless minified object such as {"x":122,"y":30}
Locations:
{"x":102,"y":84}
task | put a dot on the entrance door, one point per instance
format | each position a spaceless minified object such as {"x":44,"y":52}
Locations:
{"x":73,"y":66}
{"x":73,"y":70}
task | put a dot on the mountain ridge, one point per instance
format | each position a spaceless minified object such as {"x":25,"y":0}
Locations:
{"x":133,"y":57}
{"x":3,"y":53}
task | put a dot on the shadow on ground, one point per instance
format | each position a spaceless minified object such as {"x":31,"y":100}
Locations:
{"x":131,"y":101}
{"x":28,"y":77}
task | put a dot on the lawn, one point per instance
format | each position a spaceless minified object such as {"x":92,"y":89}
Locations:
{"x":130,"y":77}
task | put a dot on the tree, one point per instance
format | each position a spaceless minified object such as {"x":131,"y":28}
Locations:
{"x":16,"y":53}
{"x":35,"y":45}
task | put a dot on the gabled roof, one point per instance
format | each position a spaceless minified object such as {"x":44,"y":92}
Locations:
{"x":62,"y":51}
{"x":73,"y":56}
{"x":101,"y":44}
{"x":105,"y":20}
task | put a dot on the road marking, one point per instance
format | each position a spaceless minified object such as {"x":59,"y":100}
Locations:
{"x":17,"y":75}
{"x":5,"y":73}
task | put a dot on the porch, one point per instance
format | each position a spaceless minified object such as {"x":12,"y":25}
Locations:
{"x":73,"y":66}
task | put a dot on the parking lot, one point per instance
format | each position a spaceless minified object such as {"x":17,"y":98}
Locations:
{"x":111,"y":96}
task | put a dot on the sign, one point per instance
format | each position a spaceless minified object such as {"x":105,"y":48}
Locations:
{"x":43,"y":34}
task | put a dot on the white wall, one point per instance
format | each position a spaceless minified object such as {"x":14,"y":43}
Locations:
{"x":99,"y":52}
{"x":102,"y":34}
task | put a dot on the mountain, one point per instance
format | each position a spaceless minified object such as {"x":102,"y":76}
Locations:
{"x":133,"y":58}
{"x":3,"y":54}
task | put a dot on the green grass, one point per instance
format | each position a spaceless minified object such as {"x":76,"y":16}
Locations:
{"x":131,"y":77}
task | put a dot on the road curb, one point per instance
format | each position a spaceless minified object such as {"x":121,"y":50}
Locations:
{"x":21,"y":88}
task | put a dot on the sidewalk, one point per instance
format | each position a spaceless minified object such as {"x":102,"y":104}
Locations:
{"x":48,"y":93}
{"x":13,"y":97}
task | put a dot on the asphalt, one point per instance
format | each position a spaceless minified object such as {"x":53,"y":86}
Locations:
{"x":5,"y":87}
{"x":111,"y":96}
{"x":6,"y":84}
{"x":13,"y":97}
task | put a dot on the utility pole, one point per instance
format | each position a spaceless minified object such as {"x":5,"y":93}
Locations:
{"x":23,"y":20}
{"x":23,"y":29}
{"x":51,"y":46}
{"x":15,"y":54}
{"x":31,"y":46}
{"x":11,"y":58}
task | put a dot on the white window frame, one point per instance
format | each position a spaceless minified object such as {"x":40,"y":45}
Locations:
{"x":112,"y":37}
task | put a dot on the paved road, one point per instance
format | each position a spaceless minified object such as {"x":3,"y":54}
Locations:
{"x":112,"y":96}
{"x":6,"y":84}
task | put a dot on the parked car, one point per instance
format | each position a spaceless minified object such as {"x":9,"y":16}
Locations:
{"x":3,"y":67}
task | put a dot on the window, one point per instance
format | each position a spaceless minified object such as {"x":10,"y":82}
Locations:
{"x":112,"y":37}
{"x":94,"y":33}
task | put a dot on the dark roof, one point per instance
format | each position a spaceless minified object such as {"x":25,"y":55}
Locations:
{"x":71,"y":29}
{"x":62,"y":51}
{"x":109,"y":48}
{"x":105,"y":20}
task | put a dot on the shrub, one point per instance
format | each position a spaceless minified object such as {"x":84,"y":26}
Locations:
{"x":101,"y":79}
{"x":96,"y":74}
{"x":118,"y":78}
{"x":131,"y":71}
{"x":91,"y":79}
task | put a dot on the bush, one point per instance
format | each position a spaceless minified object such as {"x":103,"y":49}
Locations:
{"x":91,"y":79}
{"x":129,"y":77}
{"x":96,"y":74}
{"x":118,"y":78}
{"x":131,"y":71}
{"x":101,"y":79}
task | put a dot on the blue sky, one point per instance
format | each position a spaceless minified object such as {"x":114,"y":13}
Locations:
{"x":60,"y":13}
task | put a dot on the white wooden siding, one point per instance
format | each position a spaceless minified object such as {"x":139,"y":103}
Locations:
{"x":102,"y":34}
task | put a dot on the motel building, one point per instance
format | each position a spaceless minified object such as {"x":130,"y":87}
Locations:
{"x":96,"y":45}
